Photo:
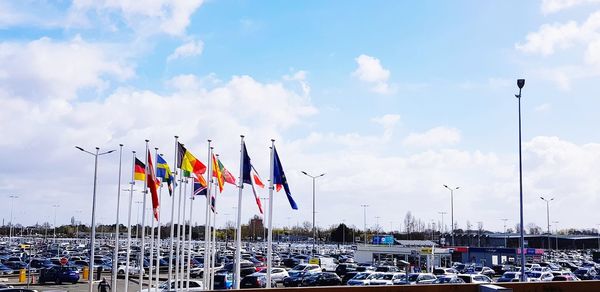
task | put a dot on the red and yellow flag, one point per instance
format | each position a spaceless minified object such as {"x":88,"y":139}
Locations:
{"x":217,"y":173}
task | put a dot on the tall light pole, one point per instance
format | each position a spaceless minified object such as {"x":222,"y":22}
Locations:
{"x":505,"y":236}
{"x":313,"y":206}
{"x":556,"y":232}
{"x":442,"y":226}
{"x":520,"y":84}
{"x":452,"y":189}
{"x":365,"y":220}
{"x":548,"y":217}
{"x":93,"y":236}
{"x":12,"y":204}
{"x":55,"y":208}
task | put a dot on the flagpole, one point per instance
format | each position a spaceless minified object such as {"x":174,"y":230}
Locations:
{"x":158,"y":242}
{"x":170,"y":278}
{"x":181,"y":254}
{"x":116,"y":252}
{"x":206,"y":225}
{"x":189,"y":248}
{"x":213,"y":240}
{"x":177,"y":275}
{"x":143,"y":244}
{"x":238,"y":250}
{"x":152,"y":228}
{"x":129,"y":224}
{"x":270,"y":215}
{"x":209,"y":252}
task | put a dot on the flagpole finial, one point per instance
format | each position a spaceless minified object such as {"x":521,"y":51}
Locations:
{"x":147,"y":140}
{"x":156,"y":148}
{"x":133,"y":151}
{"x":121,"y":145}
{"x":176,"y":137}
{"x":272,"y":140}
{"x":242,"y":136}
{"x":97,"y":148}
{"x":209,"y":140}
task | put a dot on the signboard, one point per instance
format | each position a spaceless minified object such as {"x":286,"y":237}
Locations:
{"x":383,"y":240}
{"x":314,"y":261}
{"x":63,"y":261}
{"x":427,"y":250}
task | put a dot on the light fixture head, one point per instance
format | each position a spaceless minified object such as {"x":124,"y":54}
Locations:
{"x":520,"y":83}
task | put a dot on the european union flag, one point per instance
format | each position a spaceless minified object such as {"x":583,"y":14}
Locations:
{"x":280,"y":180}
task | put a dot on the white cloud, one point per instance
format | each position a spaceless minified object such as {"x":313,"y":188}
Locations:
{"x":146,"y":17}
{"x":299,"y":76}
{"x":48,"y":69}
{"x":542,"y":108}
{"x":438,"y":136}
{"x":189,"y":49}
{"x":388,"y":122}
{"x":553,"y":6}
{"x":371,"y":71}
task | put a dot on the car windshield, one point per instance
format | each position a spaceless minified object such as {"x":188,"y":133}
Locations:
{"x":361,"y":276}
{"x":535,"y":275}
{"x":509,"y":275}
{"x":374,"y":276}
{"x":413,"y":277}
{"x":299,"y":267}
{"x":445,"y":279}
{"x":387,"y":277}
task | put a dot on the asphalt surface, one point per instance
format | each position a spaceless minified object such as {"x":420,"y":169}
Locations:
{"x":80,"y":287}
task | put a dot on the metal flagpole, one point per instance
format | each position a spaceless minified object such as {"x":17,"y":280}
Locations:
{"x":143,"y":244}
{"x":151,"y":265}
{"x":128,"y":248}
{"x":158,"y":243}
{"x":170,"y":278}
{"x":207,"y":218}
{"x":210,"y":254}
{"x":116,"y":252}
{"x":181,"y":254}
{"x":189,"y":247}
{"x":213,"y":243}
{"x":177,"y":276}
{"x":270,"y":215}
{"x":238,"y":239}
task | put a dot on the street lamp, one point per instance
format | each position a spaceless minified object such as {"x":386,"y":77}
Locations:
{"x":505,"y":236}
{"x":548,"y":216}
{"x":520,"y":84}
{"x":452,"y":209}
{"x":93,"y":236}
{"x":313,"y":189}
{"x":556,"y":232}
{"x":12,"y":203}
{"x":442,"y":226}
{"x":55,"y":208}
{"x":365,"y":220}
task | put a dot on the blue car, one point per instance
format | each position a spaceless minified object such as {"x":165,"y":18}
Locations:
{"x":223,"y":281}
{"x":59,"y":274}
{"x":4,"y":270}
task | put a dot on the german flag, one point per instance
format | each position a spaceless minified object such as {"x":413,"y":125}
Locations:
{"x":139,"y":172}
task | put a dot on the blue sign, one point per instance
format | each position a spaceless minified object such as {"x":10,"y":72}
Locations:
{"x":383,"y":240}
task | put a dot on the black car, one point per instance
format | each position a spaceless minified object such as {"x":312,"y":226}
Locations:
{"x":255,"y":281}
{"x":246,"y":268}
{"x":342,"y":269}
{"x":295,"y":278}
{"x":40,"y":263}
{"x":322,"y":279}
{"x":59,"y":274}
{"x":585,"y":273}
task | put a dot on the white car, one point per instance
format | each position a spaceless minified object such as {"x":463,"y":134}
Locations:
{"x":475,"y":278}
{"x":311,"y":268}
{"x":181,"y":286}
{"x":277,"y":274}
{"x":133,"y":270}
{"x":359,"y":279}
{"x":539,"y":277}
{"x":388,"y":279}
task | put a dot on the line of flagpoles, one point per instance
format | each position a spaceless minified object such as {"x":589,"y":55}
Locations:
{"x":203,"y":180}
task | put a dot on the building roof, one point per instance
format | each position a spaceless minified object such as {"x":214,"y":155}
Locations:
{"x":414,"y":242}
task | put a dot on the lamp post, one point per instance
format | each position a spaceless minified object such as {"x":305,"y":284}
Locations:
{"x":442,"y":226}
{"x":93,"y":236}
{"x":520,"y":84}
{"x":556,"y":232}
{"x":505,"y":236}
{"x":313,"y":206}
{"x":452,"y":209}
{"x":598,"y":234}
{"x":548,"y":216}
{"x":12,"y":203}
{"x":365,"y":220}
{"x":55,"y":208}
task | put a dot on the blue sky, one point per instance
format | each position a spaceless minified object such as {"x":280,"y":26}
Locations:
{"x":392,"y":99}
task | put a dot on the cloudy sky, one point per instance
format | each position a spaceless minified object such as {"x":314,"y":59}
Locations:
{"x":390,"y":99}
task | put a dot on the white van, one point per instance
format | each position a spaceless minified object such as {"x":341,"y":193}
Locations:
{"x":326,"y":264}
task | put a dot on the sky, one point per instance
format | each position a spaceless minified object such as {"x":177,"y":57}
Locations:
{"x":390,"y":99}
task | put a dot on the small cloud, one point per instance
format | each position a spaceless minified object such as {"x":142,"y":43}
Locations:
{"x":370,"y":71}
{"x":388,"y":122}
{"x":438,"y":136}
{"x":299,"y":76}
{"x":189,"y":49}
{"x":542,"y":108}
{"x":552,"y":6}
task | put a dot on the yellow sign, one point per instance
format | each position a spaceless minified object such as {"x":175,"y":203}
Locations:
{"x":314,"y":261}
{"x":427,"y":250}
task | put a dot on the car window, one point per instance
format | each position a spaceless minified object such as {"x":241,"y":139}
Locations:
{"x":194,"y":285}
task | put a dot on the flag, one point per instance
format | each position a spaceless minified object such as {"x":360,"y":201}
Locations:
{"x":200,"y":190}
{"x":139,"y":171}
{"x":164,"y":173}
{"x":247,"y":176}
{"x":256,"y":178}
{"x":152,"y":184}
{"x":217,"y":173}
{"x":227,"y":176}
{"x":280,"y":180}
{"x":189,"y":164}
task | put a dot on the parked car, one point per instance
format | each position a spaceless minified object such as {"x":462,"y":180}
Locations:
{"x":59,"y":274}
{"x":277,"y":274}
{"x":585,"y":273}
{"x":475,"y":278}
{"x":4,"y":270}
{"x":255,"y":280}
{"x":348,"y":276}
{"x":40,"y":263}
{"x":295,"y":278}
{"x":387,"y":279}
{"x":362,"y":279}
{"x":322,"y":279}
{"x":387,"y":269}
{"x":344,"y":268}
{"x":448,"y":279}
{"x":223,"y":281}
{"x":420,"y":278}
{"x":564,"y":278}
{"x":177,"y":286}
{"x":444,"y":271}
{"x":539,"y":276}
{"x":509,"y":277}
